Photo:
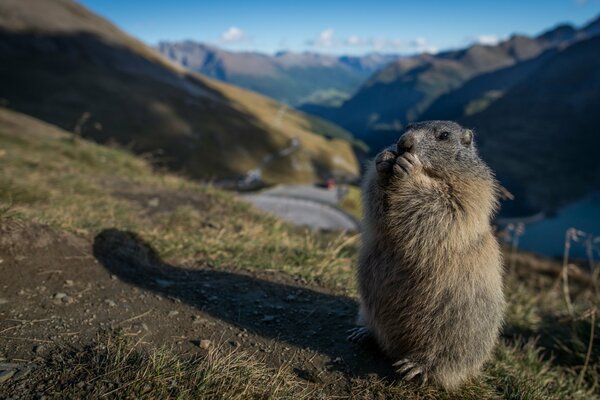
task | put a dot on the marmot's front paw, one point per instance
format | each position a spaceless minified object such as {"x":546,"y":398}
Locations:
{"x":384,"y":162}
{"x":407,"y":164}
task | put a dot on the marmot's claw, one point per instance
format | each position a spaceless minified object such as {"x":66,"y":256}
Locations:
{"x":406,"y":164}
{"x":384,"y":162}
{"x":359,"y":334}
{"x":409,"y":371}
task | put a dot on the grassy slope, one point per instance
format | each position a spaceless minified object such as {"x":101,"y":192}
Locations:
{"x":49,"y":176}
{"x":60,"y":62}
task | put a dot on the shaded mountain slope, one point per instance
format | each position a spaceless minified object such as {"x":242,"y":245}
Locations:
{"x":542,"y":136}
{"x":65,"y":65}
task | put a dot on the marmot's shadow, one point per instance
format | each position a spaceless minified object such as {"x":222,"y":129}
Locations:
{"x":296,"y":315}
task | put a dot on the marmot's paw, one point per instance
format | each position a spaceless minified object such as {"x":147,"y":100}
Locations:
{"x":407,"y":164}
{"x":384,"y":162}
{"x":409,"y":371}
{"x":359,"y":335}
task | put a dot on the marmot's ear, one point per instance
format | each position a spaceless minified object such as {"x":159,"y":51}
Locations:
{"x":467,"y":137}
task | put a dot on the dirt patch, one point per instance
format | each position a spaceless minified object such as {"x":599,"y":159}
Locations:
{"x":60,"y":289}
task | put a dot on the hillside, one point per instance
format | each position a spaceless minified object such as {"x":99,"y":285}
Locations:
{"x":65,"y":65}
{"x":506,"y":93}
{"x":294,"y":78}
{"x":404,"y":89}
{"x":121,"y":282}
{"x":407,"y":89}
{"x":541,"y":137}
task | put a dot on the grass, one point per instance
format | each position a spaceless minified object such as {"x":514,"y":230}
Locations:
{"x":115,"y":366}
{"x":52,"y":177}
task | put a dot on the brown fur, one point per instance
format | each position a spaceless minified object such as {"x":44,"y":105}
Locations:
{"x":430,"y":268}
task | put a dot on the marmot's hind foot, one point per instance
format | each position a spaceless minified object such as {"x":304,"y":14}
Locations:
{"x":410,"y":371}
{"x":359,"y":335}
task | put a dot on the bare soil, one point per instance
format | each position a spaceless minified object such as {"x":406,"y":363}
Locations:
{"x":58,"y":289}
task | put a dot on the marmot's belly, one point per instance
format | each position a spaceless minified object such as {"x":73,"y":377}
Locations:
{"x":450,"y":325}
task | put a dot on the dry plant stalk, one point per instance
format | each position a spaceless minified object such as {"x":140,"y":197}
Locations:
{"x":589,"y":349}
{"x":565,"y":270}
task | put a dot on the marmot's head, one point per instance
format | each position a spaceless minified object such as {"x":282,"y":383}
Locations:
{"x":443,"y":147}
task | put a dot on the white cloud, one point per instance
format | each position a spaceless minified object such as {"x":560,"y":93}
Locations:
{"x":233,"y":35}
{"x":327,"y":39}
{"x":324,"y":39}
{"x":355,"y":40}
{"x":487,"y":40}
{"x":581,"y":2}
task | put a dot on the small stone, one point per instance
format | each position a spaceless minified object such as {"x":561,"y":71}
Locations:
{"x":110,"y":303}
{"x":173,"y":313}
{"x":59,"y":296}
{"x":69,"y":283}
{"x":80,"y":384}
{"x":113,"y":277}
{"x":39,"y":349}
{"x":154,"y":202}
{"x":3,"y":301}
{"x":67,"y":300}
{"x":205,"y":344}
{"x":291,"y":297}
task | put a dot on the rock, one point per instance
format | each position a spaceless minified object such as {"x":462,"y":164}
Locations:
{"x":110,"y":303}
{"x":39,"y":349}
{"x":69,"y":283}
{"x":3,"y":301}
{"x":205,"y":344}
{"x":67,"y":300}
{"x":173,"y":313}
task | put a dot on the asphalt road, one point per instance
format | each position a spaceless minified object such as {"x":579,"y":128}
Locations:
{"x":305,"y":206}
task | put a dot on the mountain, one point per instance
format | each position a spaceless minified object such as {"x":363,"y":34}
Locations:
{"x":294,"y":78}
{"x":406,"y":89}
{"x":542,"y":136}
{"x":531,"y":100}
{"x":62,"y":64}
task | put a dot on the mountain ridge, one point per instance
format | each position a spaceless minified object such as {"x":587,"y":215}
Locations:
{"x":292,"y":77}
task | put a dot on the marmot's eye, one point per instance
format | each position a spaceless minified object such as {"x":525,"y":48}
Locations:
{"x":444,"y":135}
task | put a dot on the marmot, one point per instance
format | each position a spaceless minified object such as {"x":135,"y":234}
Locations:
{"x":430,"y":269}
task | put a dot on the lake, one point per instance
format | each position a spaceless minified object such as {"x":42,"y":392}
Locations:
{"x":546,"y":234}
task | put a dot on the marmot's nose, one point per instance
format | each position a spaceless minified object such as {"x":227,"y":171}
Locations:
{"x":406,"y":143}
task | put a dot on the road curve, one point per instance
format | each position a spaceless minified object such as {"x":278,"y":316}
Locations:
{"x":317,"y":215}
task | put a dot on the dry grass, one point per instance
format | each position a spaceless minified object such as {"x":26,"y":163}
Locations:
{"x":115,"y":366}
{"x":52,"y":177}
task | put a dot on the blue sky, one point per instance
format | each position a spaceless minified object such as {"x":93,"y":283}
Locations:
{"x":337,"y":26}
